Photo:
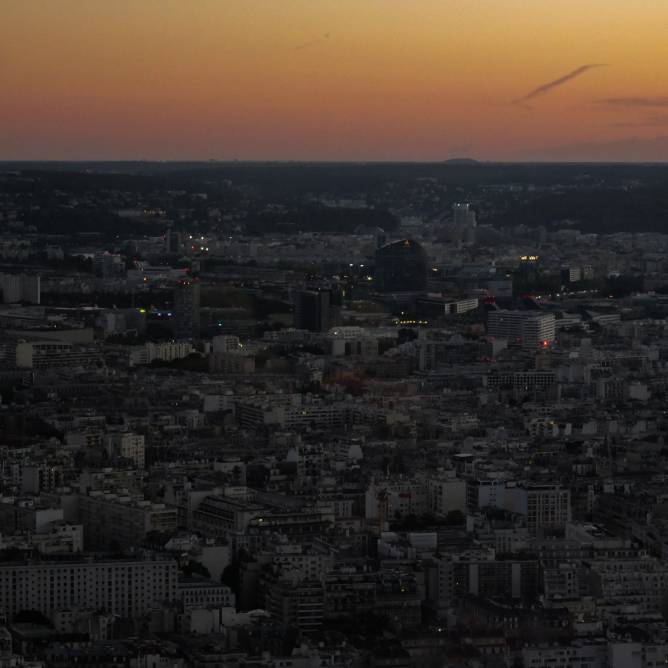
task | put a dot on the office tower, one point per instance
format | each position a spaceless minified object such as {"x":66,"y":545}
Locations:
{"x":312,"y":310}
{"x":587,"y":272}
{"x":401,"y":266}
{"x":463,"y":218}
{"x":172,"y":241}
{"x":570,"y":274}
{"x":522,"y":329}
{"x":108,"y":265}
{"x":20,"y":288}
{"x":186,"y":310}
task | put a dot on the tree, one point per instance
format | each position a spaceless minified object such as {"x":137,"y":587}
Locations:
{"x":31,"y":617}
{"x":194,"y":567}
{"x":406,"y":334}
{"x":230,"y":577}
{"x":455,"y":517}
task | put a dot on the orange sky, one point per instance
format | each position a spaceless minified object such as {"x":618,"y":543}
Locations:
{"x":327,"y":79}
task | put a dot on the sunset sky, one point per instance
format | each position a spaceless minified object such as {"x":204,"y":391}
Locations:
{"x":333,"y":79}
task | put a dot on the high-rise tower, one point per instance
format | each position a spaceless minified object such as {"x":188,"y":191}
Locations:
{"x":312,"y":310}
{"x":186,"y":310}
{"x":401,"y":266}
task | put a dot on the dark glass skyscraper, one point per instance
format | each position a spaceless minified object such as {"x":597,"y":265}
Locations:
{"x":186,"y":311}
{"x":401,"y":266}
{"x":312,"y":310}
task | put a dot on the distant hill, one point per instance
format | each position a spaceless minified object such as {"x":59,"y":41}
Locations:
{"x":461,"y":161}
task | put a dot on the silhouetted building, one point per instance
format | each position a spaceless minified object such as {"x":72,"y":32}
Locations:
{"x":312,"y":310}
{"x":401,"y":266}
{"x":378,"y":234}
{"x":108,"y":265}
{"x":463,"y":218}
{"x":19,"y":287}
{"x":186,"y":311}
{"x":172,"y":241}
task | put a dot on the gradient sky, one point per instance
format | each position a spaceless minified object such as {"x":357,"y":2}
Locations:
{"x":332,"y":79}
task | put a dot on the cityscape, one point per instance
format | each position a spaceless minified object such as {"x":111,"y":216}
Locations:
{"x":246,"y":424}
{"x":333,"y":334}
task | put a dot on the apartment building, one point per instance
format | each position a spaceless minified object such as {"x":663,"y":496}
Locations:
{"x":639,"y":582}
{"x":50,"y":354}
{"x":292,"y":598}
{"x":477,"y":572}
{"x":231,"y":362}
{"x":226,"y":343}
{"x":543,"y":505}
{"x":128,"y":588}
{"x":20,"y":288}
{"x":127,"y":445}
{"x":165,"y":352}
{"x":591,"y":653}
{"x":348,"y":592}
{"x":392,"y":496}
{"x":445,"y":495}
{"x":204,"y":593}
{"x":520,"y":380}
{"x":260,"y":410}
{"x":115,"y":521}
{"x":26,"y":514}
{"x":222,"y":516}
{"x":522,"y":329}
{"x":36,"y":478}
{"x":109,"y":480}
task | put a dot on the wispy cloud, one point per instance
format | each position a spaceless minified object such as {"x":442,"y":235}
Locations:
{"x":546,"y":88}
{"x":635,"y":101}
{"x":649,"y":120}
{"x":320,"y":40}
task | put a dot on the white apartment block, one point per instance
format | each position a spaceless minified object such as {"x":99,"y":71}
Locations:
{"x":159,"y":351}
{"x":127,"y":588}
{"x":522,"y":329}
{"x":127,"y":445}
